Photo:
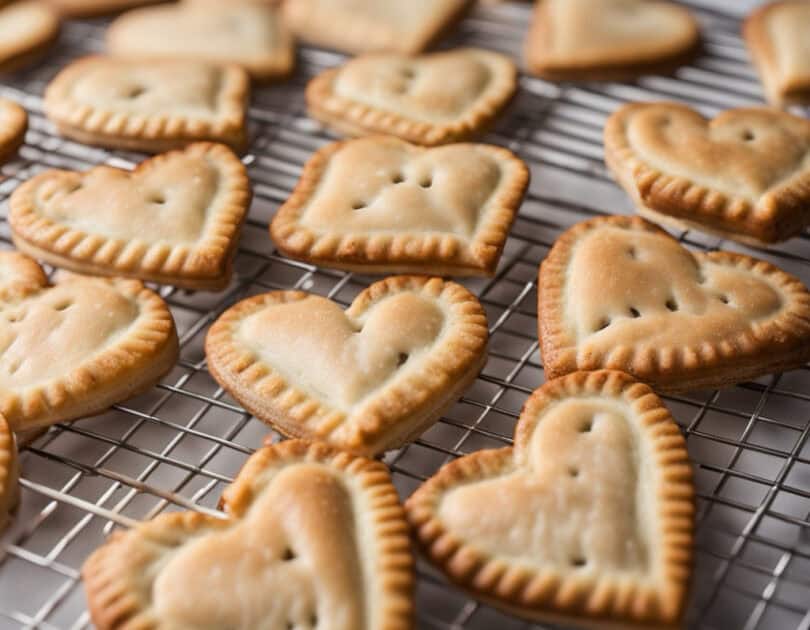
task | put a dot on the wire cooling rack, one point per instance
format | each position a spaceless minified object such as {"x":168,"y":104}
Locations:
{"x":178,"y":446}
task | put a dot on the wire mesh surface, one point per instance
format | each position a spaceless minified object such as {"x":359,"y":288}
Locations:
{"x":180,"y":444}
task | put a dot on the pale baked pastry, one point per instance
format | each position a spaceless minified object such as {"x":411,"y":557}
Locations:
{"x":27,"y":29}
{"x":620,"y":293}
{"x":175,"y":219}
{"x":88,"y":8}
{"x":149,"y":105}
{"x":743,"y":175}
{"x":381,"y":205}
{"x":587,"y":521}
{"x":314,"y":538}
{"x":250,"y":34}
{"x":776,"y":35}
{"x":412,"y":97}
{"x":9,"y":490}
{"x":73,"y":348}
{"x":367,"y":379}
{"x":13,"y":125}
{"x":360,"y":26}
{"x":608,"y":39}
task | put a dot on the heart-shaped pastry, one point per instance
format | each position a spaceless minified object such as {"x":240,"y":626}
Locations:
{"x":27,"y":29}
{"x":315,"y":538}
{"x":175,"y":219}
{"x":76,"y":347}
{"x":411,"y":97}
{"x":620,"y":293}
{"x":627,"y":39}
{"x":9,"y":491}
{"x":586,"y":521}
{"x":744,"y":174}
{"x":776,"y":35}
{"x":360,"y":26}
{"x":149,"y":105}
{"x":381,"y":205}
{"x":250,"y":34}
{"x":367,"y":379}
{"x":13,"y":125}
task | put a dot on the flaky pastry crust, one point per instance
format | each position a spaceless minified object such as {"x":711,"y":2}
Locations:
{"x":194,"y":234}
{"x":367,"y":380}
{"x":294,"y":544}
{"x":76,"y":347}
{"x":627,"y":40}
{"x":149,"y":105}
{"x":381,"y":205}
{"x":776,"y":38}
{"x":744,"y":175}
{"x":9,"y":491}
{"x":410,"y":97}
{"x":362,"y":26}
{"x":620,"y":293}
{"x":568,"y":488}
{"x":30,"y":27}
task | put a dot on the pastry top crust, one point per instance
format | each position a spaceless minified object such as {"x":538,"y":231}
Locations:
{"x":25,"y":26}
{"x":390,"y":356}
{"x":411,"y":97}
{"x":380,"y":200}
{"x":321,"y":530}
{"x":88,"y":8}
{"x":618,"y":292}
{"x":746,"y":171}
{"x":588,"y":516}
{"x":151,"y":99}
{"x":57,"y":348}
{"x":13,"y":125}
{"x":776,"y":35}
{"x":8,"y":472}
{"x":250,"y":34}
{"x":565,"y":41}
{"x":175,"y":214}
{"x":360,"y":26}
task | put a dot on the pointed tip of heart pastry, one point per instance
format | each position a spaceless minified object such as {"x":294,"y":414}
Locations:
{"x":527,"y":528}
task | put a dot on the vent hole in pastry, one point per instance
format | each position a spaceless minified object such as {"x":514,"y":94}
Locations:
{"x":288,"y":555}
{"x":586,"y":428}
{"x":136,"y":91}
{"x":748,"y":135}
{"x":723,"y":298}
{"x":603,"y":323}
{"x":402,"y":359}
{"x":672,"y":305}
{"x":358,"y":205}
{"x":12,"y":369}
{"x":573,"y":471}
{"x":634,"y":312}
{"x":314,"y":621}
{"x":62,"y":306}
{"x":426,"y":182}
{"x":13,"y":318}
{"x":158,"y":199}
{"x":398,"y":178}
{"x":578,"y":562}
{"x":408,"y":73}
{"x":631,"y":253}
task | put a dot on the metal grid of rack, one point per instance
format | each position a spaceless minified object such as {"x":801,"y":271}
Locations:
{"x":177,"y":446}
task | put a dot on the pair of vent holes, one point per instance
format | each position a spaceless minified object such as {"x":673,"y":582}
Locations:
{"x":746,"y":136}
{"x":14,"y":318}
{"x":398,"y":178}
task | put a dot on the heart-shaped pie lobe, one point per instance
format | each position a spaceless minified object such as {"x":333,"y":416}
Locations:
{"x":360,"y":26}
{"x":744,"y":174}
{"x":619,"y":293}
{"x":74,"y":348}
{"x":250,"y":34}
{"x":13,"y":125}
{"x":367,"y":379}
{"x":776,"y":35}
{"x":314,"y":538}
{"x":629,"y":38}
{"x":149,"y":105}
{"x":27,"y":29}
{"x":412,"y":97}
{"x":587,"y":520}
{"x":9,"y":490}
{"x":379,"y":204}
{"x":174,"y":219}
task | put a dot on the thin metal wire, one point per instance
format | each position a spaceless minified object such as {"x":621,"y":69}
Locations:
{"x":177,"y":446}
